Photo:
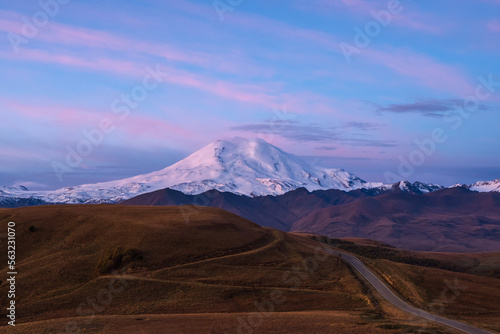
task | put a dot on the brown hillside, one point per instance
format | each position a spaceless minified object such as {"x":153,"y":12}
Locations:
{"x":215,"y":262}
{"x":173,"y":273}
{"x":449,"y":220}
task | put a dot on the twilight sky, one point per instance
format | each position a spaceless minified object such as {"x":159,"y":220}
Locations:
{"x":131,"y":87}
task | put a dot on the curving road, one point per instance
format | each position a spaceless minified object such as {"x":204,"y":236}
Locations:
{"x":398,"y":302}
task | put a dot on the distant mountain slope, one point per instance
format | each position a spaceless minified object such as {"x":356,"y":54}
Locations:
{"x":271,"y":211}
{"x":455,"y":219}
{"x":448,"y":220}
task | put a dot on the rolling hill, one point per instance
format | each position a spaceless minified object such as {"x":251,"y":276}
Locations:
{"x":450,"y":220}
{"x":216,"y":263}
{"x":110,"y":268}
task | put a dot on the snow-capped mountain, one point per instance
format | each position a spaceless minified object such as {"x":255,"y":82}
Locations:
{"x":9,"y":189}
{"x":486,"y":186}
{"x":416,"y":187}
{"x":481,"y":186}
{"x":250,"y":167}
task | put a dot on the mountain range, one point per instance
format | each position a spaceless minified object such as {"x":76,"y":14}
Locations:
{"x":262,"y":183}
{"x":446,"y":220}
{"x":250,"y":167}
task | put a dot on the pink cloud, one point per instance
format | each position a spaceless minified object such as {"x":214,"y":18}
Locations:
{"x":77,"y":36}
{"x":67,"y":35}
{"x":419,"y":67}
{"x":73,"y":119}
{"x":251,"y":22}
{"x":422,"y":68}
{"x":311,"y":103}
{"x":18,"y":153}
{"x":98,"y":64}
{"x":52,"y":113}
{"x":268,"y":26}
{"x":256,"y":94}
{"x":10,"y":26}
{"x":61,"y":34}
{"x":359,"y":5}
{"x":494,"y":25}
{"x":158,"y":129}
{"x":409,"y":17}
{"x":416,"y":21}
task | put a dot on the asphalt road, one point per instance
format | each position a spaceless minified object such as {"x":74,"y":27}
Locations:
{"x":398,"y":302}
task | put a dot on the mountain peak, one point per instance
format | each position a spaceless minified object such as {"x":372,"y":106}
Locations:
{"x":222,"y":150}
{"x":486,"y":186}
{"x":416,"y":187}
{"x":243,"y":166}
{"x":253,"y":167}
{"x":14,"y":188}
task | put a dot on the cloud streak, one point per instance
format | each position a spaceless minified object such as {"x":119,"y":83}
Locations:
{"x":426,"y":107}
{"x":494,"y":26}
{"x":410,"y":18}
{"x":316,"y":133}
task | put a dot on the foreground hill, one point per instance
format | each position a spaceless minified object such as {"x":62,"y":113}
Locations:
{"x":214,"y":262}
{"x":110,"y":269}
{"x":450,"y":220}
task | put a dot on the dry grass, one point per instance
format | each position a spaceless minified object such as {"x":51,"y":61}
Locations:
{"x":218,"y":263}
{"x":459,"y":296}
{"x":338,"y":322}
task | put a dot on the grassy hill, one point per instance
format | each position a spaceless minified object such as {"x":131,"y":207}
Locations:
{"x":461,"y":286}
{"x":109,"y":268}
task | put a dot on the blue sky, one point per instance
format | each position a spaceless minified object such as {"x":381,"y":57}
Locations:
{"x":353,"y":84}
